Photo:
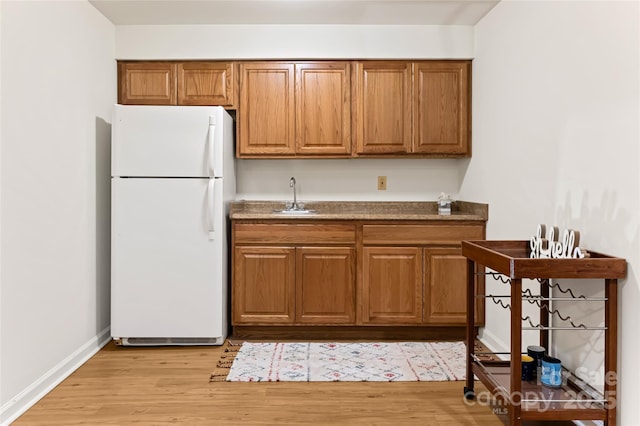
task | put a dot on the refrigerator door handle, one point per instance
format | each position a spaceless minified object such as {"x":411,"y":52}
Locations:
{"x":211,"y":211}
{"x":212,"y":145}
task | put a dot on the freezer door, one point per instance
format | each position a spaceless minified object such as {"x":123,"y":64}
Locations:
{"x":169,"y":261}
{"x":169,"y":141}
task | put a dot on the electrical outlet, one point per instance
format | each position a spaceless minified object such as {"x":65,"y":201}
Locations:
{"x":382,"y":183}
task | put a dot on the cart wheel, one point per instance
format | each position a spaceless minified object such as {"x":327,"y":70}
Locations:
{"x":469,"y":393}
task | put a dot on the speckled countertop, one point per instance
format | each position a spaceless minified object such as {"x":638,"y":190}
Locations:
{"x":360,"y":210}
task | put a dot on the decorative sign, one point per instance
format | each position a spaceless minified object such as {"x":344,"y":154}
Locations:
{"x":545,"y":244}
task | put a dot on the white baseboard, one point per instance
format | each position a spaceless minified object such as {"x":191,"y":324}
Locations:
{"x":492,"y":342}
{"x":14,"y":408}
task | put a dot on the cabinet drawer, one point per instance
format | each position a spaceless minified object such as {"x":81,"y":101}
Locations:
{"x":420,"y":234}
{"x":316,"y":233}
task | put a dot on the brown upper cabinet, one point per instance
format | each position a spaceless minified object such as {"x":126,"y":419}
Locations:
{"x":412,"y":108}
{"x":441,"y":107}
{"x":290,"y":109}
{"x":176,"y":83}
{"x":266,"y":117}
{"x":206,"y":83}
{"x":321,"y":109}
{"x":382,"y":107}
{"x":147,"y":83}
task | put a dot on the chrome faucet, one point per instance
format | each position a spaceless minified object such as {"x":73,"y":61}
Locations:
{"x":292,"y":184}
{"x":293,"y":207}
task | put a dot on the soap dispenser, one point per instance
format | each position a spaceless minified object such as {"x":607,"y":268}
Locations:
{"x":444,"y":204}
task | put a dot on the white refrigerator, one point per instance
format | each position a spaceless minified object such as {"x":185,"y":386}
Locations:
{"x":172,"y":171}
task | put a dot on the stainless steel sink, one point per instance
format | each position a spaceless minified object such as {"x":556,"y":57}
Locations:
{"x":295,"y":211}
{"x":294,"y":208}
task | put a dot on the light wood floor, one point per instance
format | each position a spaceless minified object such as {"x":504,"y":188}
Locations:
{"x":162,"y":386}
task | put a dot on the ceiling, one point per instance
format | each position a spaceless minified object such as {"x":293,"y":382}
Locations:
{"x":353,"y":12}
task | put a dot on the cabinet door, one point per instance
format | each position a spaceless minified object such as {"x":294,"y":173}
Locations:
{"x":205,"y":83}
{"x":445,"y":287}
{"x":266,"y":117}
{"x":441,"y":109}
{"x":263,"y":285}
{"x":325,"y":285}
{"x":392,"y":285}
{"x":383,"y":107}
{"x":147,"y":83}
{"x":323,"y":108}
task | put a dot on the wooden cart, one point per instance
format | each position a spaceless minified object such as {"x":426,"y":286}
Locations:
{"x":529,"y":400}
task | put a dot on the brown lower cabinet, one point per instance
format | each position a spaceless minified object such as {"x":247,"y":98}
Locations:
{"x":293,"y":273}
{"x":415,"y":285}
{"x":325,"y":285}
{"x":286,"y":285}
{"x":264,"y":285}
{"x":392,"y":285}
{"x":444,"y":297}
{"x":357,"y":274}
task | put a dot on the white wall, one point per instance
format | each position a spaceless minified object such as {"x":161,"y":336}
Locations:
{"x":349,"y":179}
{"x":353,"y":179}
{"x":58,"y":79}
{"x":556,"y":132}
{"x":292,"y":41}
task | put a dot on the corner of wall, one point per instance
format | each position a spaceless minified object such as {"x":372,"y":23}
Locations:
{"x":17,"y":406}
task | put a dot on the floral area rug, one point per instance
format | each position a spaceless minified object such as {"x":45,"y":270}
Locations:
{"x":349,"y":362}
